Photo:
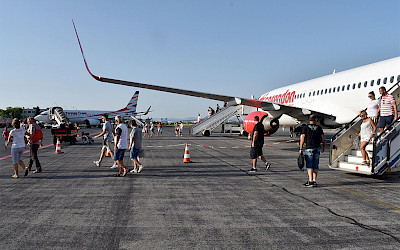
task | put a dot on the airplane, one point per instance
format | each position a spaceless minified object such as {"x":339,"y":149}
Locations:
{"x":93,"y":117}
{"x":336,"y":98}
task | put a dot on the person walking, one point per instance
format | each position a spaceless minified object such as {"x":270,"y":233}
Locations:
{"x":159,"y":129}
{"x":6,"y":133}
{"x":181,"y":129}
{"x":387,"y":111}
{"x":35,"y":141}
{"x":313,"y":136}
{"x":257,"y":145}
{"x":367,"y":132}
{"x":121,"y":144}
{"x":372,"y":107}
{"x":107,"y":134}
{"x":198,"y":118}
{"x":18,"y":145}
{"x":135,"y":145}
{"x":176,"y":129}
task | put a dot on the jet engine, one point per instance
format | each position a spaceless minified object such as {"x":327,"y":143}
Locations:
{"x":92,"y":122}
{"x":271,"y":125}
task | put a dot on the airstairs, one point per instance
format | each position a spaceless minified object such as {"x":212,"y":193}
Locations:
{"x":209,"y":124}
{"x":384,"y":152}
{"x":57,"y":114}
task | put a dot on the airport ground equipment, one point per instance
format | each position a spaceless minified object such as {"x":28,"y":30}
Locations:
{"x":209,"y":124}
{"x":384,"y":152}
{"x":63,"y":131}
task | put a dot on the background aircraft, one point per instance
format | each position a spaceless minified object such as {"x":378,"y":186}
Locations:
{"x":93,"y":117}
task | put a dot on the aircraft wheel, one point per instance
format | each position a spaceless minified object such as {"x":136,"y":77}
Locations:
{"x":206,"y":133}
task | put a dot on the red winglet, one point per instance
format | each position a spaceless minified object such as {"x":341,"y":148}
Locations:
{"x":84,"y":59}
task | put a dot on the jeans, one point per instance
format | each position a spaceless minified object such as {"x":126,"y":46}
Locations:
{"x":34,"y":157}
{"x":312,"y":158}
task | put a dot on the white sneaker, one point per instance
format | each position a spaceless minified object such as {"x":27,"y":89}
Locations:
{"x":140,"y":168}
{"x":115,"y":165}
{"x":133,"y":171}
{"x":97,"y":163}
{"x":267,"y":165}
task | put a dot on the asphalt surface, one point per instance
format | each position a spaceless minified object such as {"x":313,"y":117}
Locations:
{"x":211,"y":203}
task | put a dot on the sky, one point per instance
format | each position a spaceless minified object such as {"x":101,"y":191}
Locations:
{"x":237,"y":48}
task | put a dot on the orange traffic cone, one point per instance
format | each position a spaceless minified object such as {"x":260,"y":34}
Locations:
{"x":186,"y":156}
{"x":58,"y":147}
{"x":249,"y":137}
{"x":108,"y":154}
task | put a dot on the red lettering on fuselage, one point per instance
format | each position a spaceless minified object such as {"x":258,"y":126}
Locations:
{"x":285,"y":98}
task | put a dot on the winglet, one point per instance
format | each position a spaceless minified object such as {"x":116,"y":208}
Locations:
{"x":84,"y":59}
{"x":148,"y":110}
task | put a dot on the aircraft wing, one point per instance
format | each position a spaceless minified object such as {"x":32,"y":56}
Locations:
{"x":298,"y":113}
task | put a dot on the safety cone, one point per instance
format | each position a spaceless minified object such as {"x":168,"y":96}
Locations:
{"x":108,"y":154}
{"x":249,"y":137}
{"x":58,"y":147}
{"x":186,"y":156}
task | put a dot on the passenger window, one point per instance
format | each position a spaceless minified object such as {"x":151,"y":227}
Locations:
{"x":372,"y":83}
{"x":391,"y":79}
{"x":326,"y":91}
{"x":309,"y":94}
{"x":343,"y":87}
{"x":378,"y":82}
{"x":304,"y":95}
{"x":365,"y":84}
{"x":318,"y":92}
{"x":330,"y":90}
{"x":398,"y":78}
{"x":348,"y":87}
{"x":333,"y":90}
{"x":313,"y":93}
{"x":359,"y":85}
{"x":354,"y":85}
{"x":385,"y":80}
{"x":338,"y":89}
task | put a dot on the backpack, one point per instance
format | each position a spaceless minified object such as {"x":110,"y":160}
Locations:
{"x":37,"y":135}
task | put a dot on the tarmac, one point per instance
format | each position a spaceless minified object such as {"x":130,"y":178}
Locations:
{"x":211,"y":203}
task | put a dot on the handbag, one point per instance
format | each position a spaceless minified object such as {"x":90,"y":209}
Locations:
{"x":300,"y":161}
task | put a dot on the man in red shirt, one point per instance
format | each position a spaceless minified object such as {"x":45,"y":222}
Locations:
{"x":387,"y":111}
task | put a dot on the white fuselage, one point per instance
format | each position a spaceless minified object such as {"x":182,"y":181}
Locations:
{"x":341,"y":94}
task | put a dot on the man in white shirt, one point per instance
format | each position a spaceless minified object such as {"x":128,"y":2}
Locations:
{"x":121,"y":144}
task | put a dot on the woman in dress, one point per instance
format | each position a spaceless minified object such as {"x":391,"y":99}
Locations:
{"x":367,"y":132}
{"x":372,"y":107}
{"x":18,"y":146}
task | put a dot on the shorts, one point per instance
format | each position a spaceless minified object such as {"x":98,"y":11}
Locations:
{"x":160,"y":130}
{"x":134,"y":153}
{"x":255,"y":152}
{"x":385,"y":121}
{"x":312,"y":158}
{"x":107,"y":145}
{"x":119,"y":155}
{"x":16,"y":154}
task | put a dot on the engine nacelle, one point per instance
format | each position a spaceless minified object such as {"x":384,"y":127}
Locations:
{"x":271,"y":125}
{"x":92,"y":122}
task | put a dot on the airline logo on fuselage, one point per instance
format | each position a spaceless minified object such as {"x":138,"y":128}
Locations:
{"x":285,"y":98}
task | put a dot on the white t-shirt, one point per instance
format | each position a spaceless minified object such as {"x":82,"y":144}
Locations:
{"x":372,"y":108}
{"x":18,"y":137}
{"x":122,"y":131}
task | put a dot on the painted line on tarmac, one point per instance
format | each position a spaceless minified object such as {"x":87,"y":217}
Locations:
{"x":364,"y":196}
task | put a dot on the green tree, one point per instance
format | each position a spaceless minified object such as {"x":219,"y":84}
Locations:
{"x":37,"y":110}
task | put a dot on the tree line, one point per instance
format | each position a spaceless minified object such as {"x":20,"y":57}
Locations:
{"x":15,"y":112}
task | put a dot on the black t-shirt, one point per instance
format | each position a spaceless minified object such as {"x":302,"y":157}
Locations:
{"x":260,"y":138}
{"x":313,"y":138}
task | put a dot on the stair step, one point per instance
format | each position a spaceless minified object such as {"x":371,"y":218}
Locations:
{"x":354,"y":159}
{"x":358,"y":153}
{"x":355,"y":168}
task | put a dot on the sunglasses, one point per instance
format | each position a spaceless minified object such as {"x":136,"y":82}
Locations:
{"x":370,"y":96}
{"x":362,"y":115}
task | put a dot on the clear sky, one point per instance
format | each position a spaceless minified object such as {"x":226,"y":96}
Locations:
{"x":236,"y":47}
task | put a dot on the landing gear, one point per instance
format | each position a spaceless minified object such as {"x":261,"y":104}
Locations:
{"x":291,"y":129}
{"x":206,"y":133}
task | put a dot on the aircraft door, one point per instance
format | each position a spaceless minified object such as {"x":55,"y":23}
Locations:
{"x":304,"y":97}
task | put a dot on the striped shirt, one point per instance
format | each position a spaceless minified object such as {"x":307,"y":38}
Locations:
{"x":386,"y":105}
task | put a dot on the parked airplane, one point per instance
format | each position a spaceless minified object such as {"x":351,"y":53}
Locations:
{"x":93,"y":117}
{"x":336,"y":98}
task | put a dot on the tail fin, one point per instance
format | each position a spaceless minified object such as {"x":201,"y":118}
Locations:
{"x":131,"y":107}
